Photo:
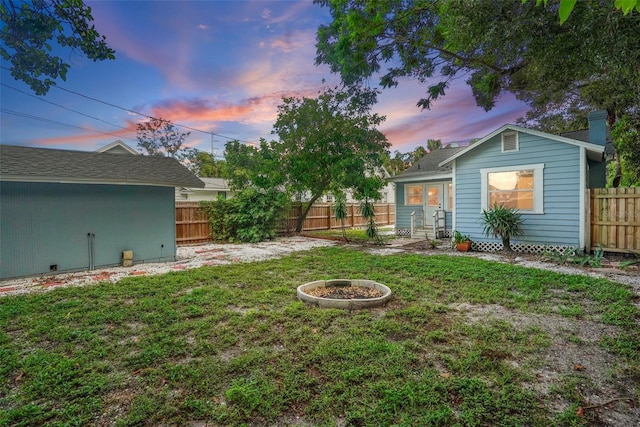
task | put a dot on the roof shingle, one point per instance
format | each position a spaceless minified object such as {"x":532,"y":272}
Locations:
{"x":49,"y":165}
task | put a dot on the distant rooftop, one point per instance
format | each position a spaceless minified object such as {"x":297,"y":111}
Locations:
{"x":49,"y":165}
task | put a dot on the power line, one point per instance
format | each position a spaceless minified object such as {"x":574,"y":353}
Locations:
{"x":124,"y":109}
{"x":45,"y":120}
{"x":62,"y":106}
{"x":146,"y":115}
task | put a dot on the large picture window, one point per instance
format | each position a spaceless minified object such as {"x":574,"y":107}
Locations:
{"x":519,"y":187}
{"x":413,"y":195}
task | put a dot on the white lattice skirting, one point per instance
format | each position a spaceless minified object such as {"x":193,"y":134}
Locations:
{"x":497,"y":246}
{"x":517,"y":247}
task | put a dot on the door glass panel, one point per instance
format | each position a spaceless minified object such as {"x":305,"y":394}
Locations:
{"x":433,"y":198}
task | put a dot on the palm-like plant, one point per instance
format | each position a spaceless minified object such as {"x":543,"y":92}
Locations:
{"x":501,"y":221}
{"x":340,"y":212}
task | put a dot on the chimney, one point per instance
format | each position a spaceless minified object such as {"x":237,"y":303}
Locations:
{"x":598,"y":127}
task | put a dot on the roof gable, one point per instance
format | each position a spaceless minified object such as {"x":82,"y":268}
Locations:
{"x":429,"y":165}
{"x":594,"y":151}
{"x":117,"y":147}
{"x":46,"y":165}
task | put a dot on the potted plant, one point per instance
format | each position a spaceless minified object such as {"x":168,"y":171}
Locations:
{"x":463,"y":241}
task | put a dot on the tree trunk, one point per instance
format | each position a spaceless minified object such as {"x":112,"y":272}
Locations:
{"x":303,"y":216}
{"x":506,"y":244}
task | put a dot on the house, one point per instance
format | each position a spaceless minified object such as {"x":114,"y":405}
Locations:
{"x":544,"y":176}
{"x":422,"y":191}
{"x":387,"y":192}
{"x":65,"y":210}
{"x":213,"y":189}
{"x":117,"y":147}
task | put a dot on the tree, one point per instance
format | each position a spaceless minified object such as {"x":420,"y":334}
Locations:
{"x":206,"y":166}
{"x":626,"y":140}
{"x":329,"y":143}
{"x":159,"y":137}
{"x":31,"y":28}
{"x":433,"y":144}
{"x":566,"y":6}
{"x":396,"y":164}
{"x":590,"y":61}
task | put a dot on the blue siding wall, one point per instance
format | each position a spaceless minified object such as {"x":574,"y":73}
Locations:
{"x":42,"y":224}
{"x":403,"y":212}
{"x":560,"y":223}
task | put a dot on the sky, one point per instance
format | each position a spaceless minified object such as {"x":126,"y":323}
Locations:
{"x":220,"y":68}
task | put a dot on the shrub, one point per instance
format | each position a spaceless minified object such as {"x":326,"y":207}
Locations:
{"x":250,"y":216}
{"x":501,"y":221}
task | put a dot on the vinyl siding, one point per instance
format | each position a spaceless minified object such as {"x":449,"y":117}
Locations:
{"x":46,"y":223}
{"x":403,"y":212}
{"x":560,"y":223}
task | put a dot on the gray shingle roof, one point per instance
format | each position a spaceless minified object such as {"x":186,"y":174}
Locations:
{"x":428,"y":165}
{"x":47,"y":165}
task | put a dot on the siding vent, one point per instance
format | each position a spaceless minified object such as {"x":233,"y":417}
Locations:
{"x":510,"y":142}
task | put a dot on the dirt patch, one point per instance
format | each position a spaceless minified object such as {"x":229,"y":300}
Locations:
{"x":345,"y":292}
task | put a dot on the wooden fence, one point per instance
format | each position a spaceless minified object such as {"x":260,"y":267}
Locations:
{"x":615,"y":219}
{"x":192,"y":225}
{"x":321,"y":217}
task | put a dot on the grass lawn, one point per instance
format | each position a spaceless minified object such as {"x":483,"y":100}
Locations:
{"x":465,"y":342}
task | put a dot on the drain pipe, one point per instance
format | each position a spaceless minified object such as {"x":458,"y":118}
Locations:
{"x":90,"y":238}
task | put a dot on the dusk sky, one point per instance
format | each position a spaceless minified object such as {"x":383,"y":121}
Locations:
{"x":221,"y":67}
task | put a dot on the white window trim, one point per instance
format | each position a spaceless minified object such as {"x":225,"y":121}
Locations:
{"x":517,"y":142}
{"x":406,"y":194}
{"x":538,"y":185}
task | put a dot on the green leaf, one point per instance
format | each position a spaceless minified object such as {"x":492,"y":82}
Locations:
{"x":566,"y":6}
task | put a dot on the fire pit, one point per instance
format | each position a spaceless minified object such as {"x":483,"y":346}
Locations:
{"x":344,"y":293}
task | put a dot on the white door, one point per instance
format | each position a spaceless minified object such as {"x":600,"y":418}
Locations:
{"x":433,"y":201}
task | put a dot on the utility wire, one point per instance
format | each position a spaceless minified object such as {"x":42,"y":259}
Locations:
{"x":148,"y":116}
{"x":44,"y":119}
{"x":130,"y":111}
{"x":62,"y":106}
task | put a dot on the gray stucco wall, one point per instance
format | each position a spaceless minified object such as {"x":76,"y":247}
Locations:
{"x":42,"y":224}
{"x":560,"y":223}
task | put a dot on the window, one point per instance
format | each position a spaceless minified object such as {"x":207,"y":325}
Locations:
{"x":222,"y":195}
{"x":450,"y":190}
{"x":329,"y":197}
{"x":517,"y":187}
{"x":510,"y":142}
{"x":413,"y":195}
{"x":433,"y":197}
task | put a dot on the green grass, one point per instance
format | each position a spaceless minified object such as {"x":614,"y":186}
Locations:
{"x":231,"y":346}
{"x":353,"y":234}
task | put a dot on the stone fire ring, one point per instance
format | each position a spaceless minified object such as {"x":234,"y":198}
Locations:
{"x":349,"y":304}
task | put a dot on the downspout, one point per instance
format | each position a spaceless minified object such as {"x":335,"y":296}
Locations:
{"x":453,"y":197}
{"x":582,"y":204}
{"x":90,"y":242}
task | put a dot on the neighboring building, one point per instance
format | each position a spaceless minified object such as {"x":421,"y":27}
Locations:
{"x":387,"y":193}
{"x":65,"y":210}
{"x":214,"y":188}
{"x":117,"y":147}
{"x":545,"y":176}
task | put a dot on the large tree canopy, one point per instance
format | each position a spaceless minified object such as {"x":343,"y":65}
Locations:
{"x":30,"y":29}
{"x":327,"y":143}
{"x":590,"y":61}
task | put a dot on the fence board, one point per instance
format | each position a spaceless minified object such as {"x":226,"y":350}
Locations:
{"x":320,"y":217}
{"x":192,"y":225}
{"x":615,"y":219}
